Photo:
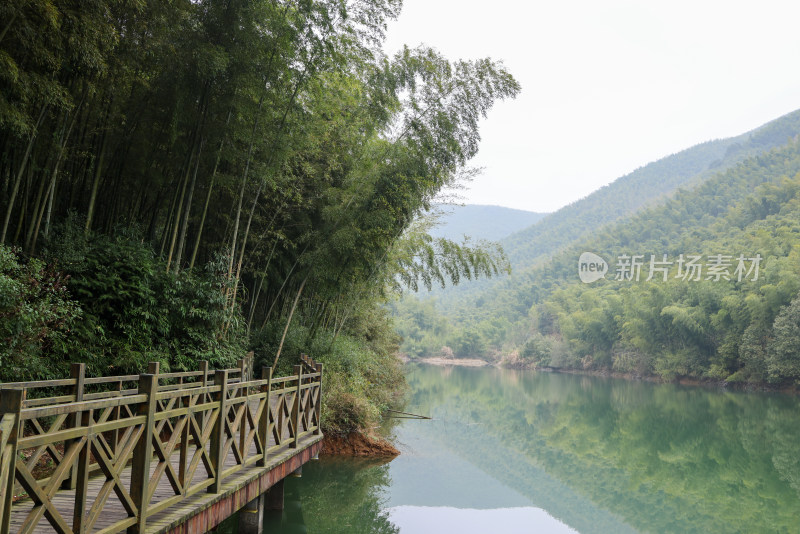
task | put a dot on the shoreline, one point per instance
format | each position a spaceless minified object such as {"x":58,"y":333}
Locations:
{"x":752,"y":387}
{"x":443,"y":362}
{"x":356,"y":444}
{"x":763,"y":387}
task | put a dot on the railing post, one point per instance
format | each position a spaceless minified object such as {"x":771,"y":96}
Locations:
{"x":82,"y":481}
{"x":77,"y":371}
{"x":204,"y":370}
{"x":205,"y":397}
{"x":248,"y":362}
{"x":263,"y":422}
{"x":243,"y":392}
{"x":153,"y":368}
{"x":10,"y":409}
{"x":143,"y":453}
{"x":183,"y":455}
{"x":318,"y":405}
{"x":115,"y":433}
{"x":296,"y":406}
{"x":218,"y":432}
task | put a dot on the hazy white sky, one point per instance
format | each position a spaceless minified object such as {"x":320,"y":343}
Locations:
{"x":610,"y":85}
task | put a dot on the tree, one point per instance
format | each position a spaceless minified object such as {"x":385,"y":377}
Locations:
{"x":783,"y":356}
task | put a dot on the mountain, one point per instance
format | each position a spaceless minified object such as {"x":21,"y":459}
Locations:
{"x":736,"y":328}
{"x":479,"y":222}
{"x":735,"y":318}
{"x":647,"y":186}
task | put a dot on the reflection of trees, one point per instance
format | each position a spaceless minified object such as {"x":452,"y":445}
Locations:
{"x":334,"y":495}
{"x":663,"y":458}
{"x":344,"y":495}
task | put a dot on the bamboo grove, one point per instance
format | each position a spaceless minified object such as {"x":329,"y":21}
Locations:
{"x":269,"y":145}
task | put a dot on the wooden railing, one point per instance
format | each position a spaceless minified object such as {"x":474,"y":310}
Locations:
{"x":192,"y":429}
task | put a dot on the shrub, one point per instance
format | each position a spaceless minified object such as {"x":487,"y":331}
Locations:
{"x":36,"y":314}
{"x":537,"y":350}
{"x":359,"y":382}
{"x":359,"y":385}
{"x":135,"y":312}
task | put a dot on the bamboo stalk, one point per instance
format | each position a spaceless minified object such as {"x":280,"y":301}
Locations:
{"x":289,"y":322}
{"x":18,"y":180}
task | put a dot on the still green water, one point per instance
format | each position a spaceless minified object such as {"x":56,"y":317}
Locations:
{"x":515,"y":451}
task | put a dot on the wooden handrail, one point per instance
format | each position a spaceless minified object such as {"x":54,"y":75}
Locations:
{"x":202,"y":417}
{"x":76,"y":385}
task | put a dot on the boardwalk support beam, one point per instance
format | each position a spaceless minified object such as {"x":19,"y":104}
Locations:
{"x":251,"y":516}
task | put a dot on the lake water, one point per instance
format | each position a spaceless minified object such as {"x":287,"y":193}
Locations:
{"x":521,"y":451}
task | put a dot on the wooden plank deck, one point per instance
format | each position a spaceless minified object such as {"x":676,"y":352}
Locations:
{"x":279,"y":465}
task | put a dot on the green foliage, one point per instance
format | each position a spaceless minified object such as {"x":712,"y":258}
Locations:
{"x":706,"y":329}
{"x":362,"y":375}
{"x":469,"y":344}
{"x":417,"y":257}
{"x":783,"y":354}
{"x":421,"y":328}
{"x":645,"y":187}
{"x":537,"y":350}
{"x":36,"y":315}
{"x":274,"y":135}
{"x":134,"y":312}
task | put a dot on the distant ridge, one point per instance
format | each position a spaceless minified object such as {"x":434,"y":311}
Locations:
{"x":491,"y":223}
{"x":647,"y":186}
{"x":644,"y":187}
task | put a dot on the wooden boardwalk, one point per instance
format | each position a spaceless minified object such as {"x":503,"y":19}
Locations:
{"x":208,"y":448}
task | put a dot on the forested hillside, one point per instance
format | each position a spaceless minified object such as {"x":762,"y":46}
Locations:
{"x":740,"y":326}
{"x":646,"y":186}
{"x":737,"y":325}
{"x":189,"y":180}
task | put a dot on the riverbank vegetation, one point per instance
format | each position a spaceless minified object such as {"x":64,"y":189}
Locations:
{"x":189,"y":180}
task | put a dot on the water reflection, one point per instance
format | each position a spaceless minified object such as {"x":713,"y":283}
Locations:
{"x":290,"y":519}
{"x":335,"y":496}
{"x":440,"y":519}
{"x":539,"y":452}
{"x":602,"y":455}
